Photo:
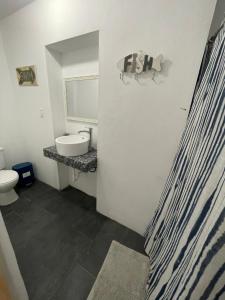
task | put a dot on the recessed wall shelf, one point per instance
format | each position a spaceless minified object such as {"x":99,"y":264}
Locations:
{"x":85,"y":163}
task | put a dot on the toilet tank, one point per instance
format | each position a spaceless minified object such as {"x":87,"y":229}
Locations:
{"x":2,"y":159}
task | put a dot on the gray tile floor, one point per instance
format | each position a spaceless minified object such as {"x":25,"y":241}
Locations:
{"x":60,"y":241}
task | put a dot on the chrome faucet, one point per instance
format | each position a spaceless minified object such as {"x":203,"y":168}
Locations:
{"x":90,"y":134}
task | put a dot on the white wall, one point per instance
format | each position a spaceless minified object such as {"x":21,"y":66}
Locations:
{"x":139,"y":125}
{"x":27,"y":132}
{"x":9,"y":268}
{"x":10,"y":138}
{"x":82,"y":62}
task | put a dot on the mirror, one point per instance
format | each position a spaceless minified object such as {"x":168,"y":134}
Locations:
{"x":82,"y":98}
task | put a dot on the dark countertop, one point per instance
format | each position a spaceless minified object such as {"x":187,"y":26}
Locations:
{"x":85,"y":163}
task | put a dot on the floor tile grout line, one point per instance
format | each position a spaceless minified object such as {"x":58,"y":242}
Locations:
{"x":88,"y":272}
{"x":108,"y":231}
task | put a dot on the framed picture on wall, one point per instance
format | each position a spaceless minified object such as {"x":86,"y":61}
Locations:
{"x":26,"y":76}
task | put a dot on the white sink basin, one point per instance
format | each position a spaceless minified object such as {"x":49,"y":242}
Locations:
{"x":72,"y":145}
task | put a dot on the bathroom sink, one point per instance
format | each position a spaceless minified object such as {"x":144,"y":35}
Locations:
{"x":72,"y":145}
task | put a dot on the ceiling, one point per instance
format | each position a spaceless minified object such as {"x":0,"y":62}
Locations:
{"x":8,"y":7}
{"x":83,"y":41}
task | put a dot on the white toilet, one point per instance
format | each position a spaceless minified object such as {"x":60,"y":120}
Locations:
{"x":8,"y":180}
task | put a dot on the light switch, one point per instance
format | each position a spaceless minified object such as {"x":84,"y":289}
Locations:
{"x":41,"y":113}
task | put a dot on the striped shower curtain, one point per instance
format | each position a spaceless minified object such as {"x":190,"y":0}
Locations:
{"x":185,"y":240}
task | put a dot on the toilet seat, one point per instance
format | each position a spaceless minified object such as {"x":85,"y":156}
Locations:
{"x":8,"y":176}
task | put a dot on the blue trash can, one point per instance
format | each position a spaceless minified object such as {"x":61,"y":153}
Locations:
{"x":25,"y":172}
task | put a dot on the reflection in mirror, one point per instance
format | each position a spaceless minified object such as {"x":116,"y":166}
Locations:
{"x":82,"y":98}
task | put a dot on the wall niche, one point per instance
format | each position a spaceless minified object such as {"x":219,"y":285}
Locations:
{"x":74,"y":57}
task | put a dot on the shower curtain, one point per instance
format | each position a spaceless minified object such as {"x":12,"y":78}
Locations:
{"x":11,"y":283}
{"x":185,"y":240}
